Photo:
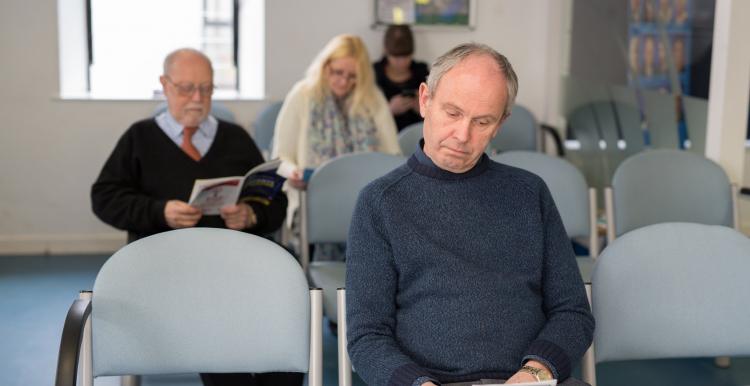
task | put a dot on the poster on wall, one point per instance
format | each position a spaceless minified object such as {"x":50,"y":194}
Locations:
{"x":433,"y":13}
{"x":659,"y":40}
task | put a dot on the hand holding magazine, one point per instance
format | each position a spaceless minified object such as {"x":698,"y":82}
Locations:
{"x":260,"y":184}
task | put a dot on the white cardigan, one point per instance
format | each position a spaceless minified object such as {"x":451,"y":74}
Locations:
{"x":290,"y":135}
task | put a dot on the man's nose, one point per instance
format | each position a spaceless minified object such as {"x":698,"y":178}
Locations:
{"x":197,"y":96}
{"x":462,"y":131}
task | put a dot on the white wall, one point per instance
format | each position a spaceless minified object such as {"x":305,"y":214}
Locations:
{"x":51,"y":150}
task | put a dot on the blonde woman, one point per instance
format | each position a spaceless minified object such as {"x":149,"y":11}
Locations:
{"x":336,"y":109}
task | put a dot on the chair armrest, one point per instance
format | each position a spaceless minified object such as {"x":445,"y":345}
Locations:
{"x":560,"y":149}
{"x":70,"y":343}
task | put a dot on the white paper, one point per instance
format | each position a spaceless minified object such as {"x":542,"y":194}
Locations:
{"x":211,"y":195}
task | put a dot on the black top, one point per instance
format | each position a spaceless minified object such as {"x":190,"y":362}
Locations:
{"x":419,"y":72}
{"x":146,"y":169}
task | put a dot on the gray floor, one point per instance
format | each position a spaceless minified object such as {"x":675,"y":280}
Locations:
{"x":36,"y":291}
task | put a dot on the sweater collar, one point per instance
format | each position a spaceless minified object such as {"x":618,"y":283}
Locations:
{"x":422,"y":164}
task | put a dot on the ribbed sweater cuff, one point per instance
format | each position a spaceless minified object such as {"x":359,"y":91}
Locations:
{"x":407,"y":374}
{"x":551,"y":355}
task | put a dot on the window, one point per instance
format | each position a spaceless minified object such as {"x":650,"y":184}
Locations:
{"x":125,"y":42}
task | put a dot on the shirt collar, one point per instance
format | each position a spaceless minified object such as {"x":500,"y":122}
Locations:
{"x":207,"y":128}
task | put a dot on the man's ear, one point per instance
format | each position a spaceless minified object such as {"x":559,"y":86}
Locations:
{"x":424,"y":98}
{"x":163,"y":81}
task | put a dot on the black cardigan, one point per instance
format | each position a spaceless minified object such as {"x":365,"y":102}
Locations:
{"x":146,"y":169}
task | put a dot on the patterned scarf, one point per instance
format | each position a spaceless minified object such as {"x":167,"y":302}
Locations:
{"x":333,"y":132}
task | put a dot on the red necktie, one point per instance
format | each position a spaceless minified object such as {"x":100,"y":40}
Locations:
{"x":187,"y":143}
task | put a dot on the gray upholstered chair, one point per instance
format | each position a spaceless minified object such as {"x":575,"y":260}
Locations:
{"x":576,"y":203}
{"x":668,"y":186}
{"x":672,"y":290}
{"x":519,"y":132}
{"x":327,"y":207}
{"x":409,"y":137}
{"x":265,"y":125}
{"x":195,"y":300}
{"x":218,"y":110}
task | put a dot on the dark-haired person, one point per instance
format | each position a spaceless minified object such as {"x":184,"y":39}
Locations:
{"x":399,"y":76}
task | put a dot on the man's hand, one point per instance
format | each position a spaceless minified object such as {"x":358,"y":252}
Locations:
{"x":399,"y":104}
{"x":179,"y":214}
{"x":239,"y":217}
{"x":428,"y":384}
{"x":296,"y":180}
{"x":522,"y":376}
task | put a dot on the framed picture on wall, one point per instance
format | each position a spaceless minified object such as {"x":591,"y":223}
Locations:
{"x":426,"y":13}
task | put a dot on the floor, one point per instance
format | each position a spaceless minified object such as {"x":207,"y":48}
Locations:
{"x":36,"y":291}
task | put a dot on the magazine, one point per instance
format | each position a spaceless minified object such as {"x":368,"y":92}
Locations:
{"x":260,"y":184}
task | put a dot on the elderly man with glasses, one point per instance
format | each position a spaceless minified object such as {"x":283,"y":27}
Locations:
{"x":144,"y":185}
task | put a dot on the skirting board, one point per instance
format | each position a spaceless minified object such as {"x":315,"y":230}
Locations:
{"x":61,"y":244}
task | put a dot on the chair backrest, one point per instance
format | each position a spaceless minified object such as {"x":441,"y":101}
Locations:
{"x":333,"y":190}
{"x":670,"y":186}
{"x":218,"y":110}
{"x":672,"y":290}
{"x":661,"y":118}
{"x":265,"y":124}
{"x":409,"y":137}
{"x":200,"y":300}
{"x":565,"y":182}
{"x":696,"y":117}
{"x":519,"y":132}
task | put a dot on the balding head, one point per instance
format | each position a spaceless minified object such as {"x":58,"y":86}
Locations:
{"x":188,"y":84}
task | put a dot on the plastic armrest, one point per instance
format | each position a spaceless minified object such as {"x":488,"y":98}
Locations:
{"x":70,"y":343}
{"x":560,"y":149}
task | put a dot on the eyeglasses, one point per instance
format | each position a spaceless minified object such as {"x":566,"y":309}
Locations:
{"x":342,"y":74}
{"x":188,"y":89}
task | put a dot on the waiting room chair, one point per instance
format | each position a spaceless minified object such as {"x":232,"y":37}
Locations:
{"x":265,"y":125}
{"x":672,"y":290}
{"x":195,"y":300}
{"x":218,"y":110}
{"x":409,"y":137}
{"x":327,"y":207}
{"x":576,"y":203}
{"x":666,"y":185}
{"x":519,"y":132}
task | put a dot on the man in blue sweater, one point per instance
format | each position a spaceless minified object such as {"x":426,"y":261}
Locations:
{"x":459,"y":270}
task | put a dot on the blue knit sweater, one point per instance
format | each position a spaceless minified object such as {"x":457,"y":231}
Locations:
{"x":458,"y":277}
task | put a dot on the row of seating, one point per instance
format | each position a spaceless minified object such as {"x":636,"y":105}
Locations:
{"x":215,"y":300}
{"x":138,"y":328}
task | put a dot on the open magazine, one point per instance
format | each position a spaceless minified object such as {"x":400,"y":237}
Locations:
{"x":260,"y":184}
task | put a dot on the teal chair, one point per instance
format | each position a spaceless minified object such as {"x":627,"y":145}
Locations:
{"x":409,"y":137}
{"x":672,"y":290}
{"x":195,"y":300}
{"x":328,"y":204}
{"x":519,"y":132}
{"x":265,"y":125}
{"x":666,"y":185}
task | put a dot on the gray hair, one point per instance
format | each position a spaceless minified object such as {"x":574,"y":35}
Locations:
{"x":450,"y":59}
{"x":172,"y":56}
